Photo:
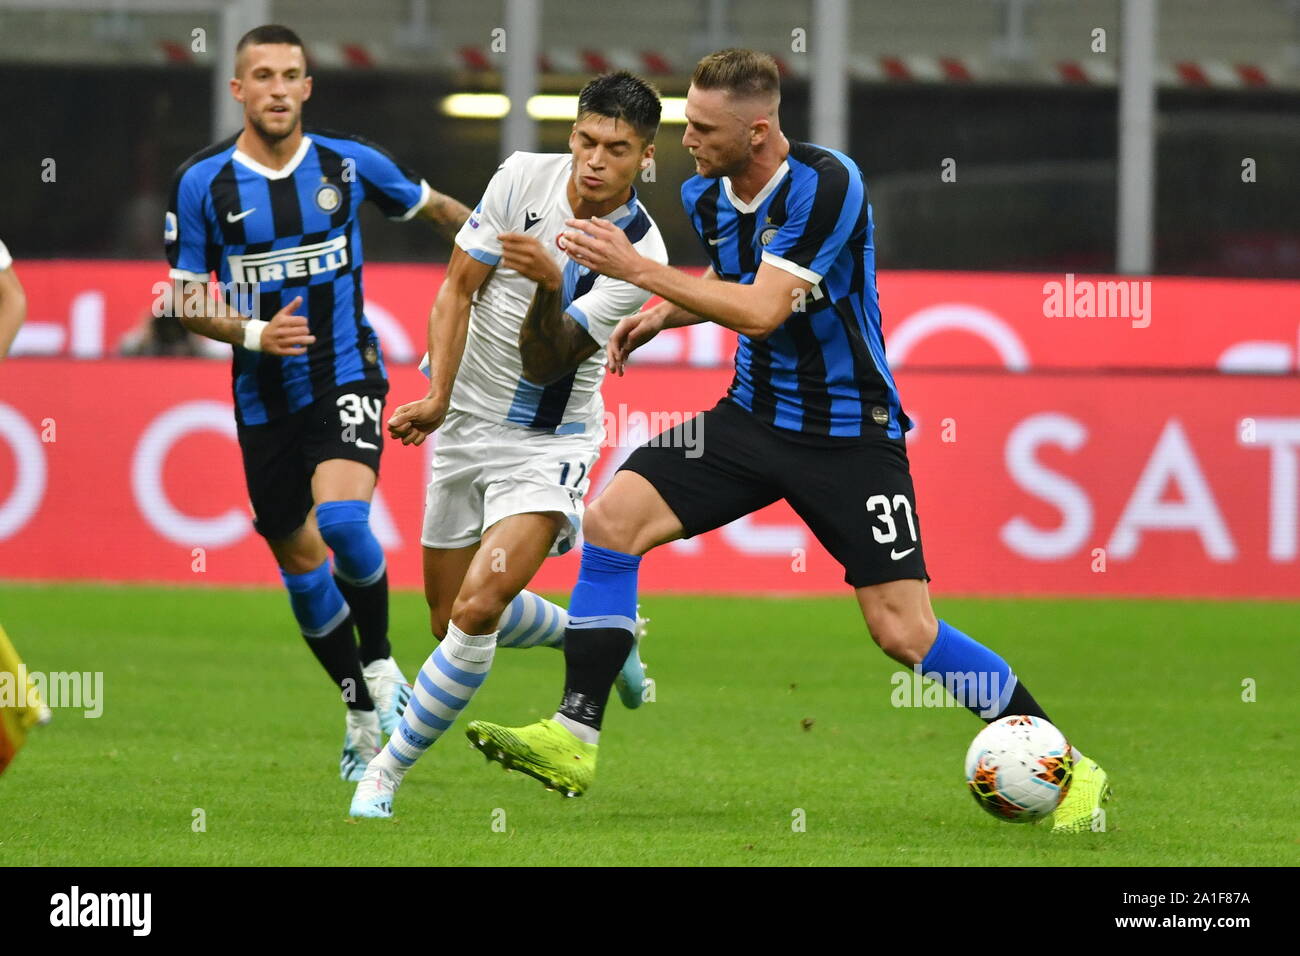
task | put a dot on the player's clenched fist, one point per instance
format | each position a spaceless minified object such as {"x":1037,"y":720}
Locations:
{"x":525,"y":255}
{"x":414,"y":422}
{"x":286,"y":333}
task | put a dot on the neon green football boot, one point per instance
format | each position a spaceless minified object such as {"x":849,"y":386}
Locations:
{"x":1081,"y":811}
{"x":545,"y":751}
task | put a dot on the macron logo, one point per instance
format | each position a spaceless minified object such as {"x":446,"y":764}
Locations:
{"x":103,"y":909}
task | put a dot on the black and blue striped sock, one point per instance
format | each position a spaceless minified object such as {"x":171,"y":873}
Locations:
{"x":602,"y":620}
{"x":326,"y":624}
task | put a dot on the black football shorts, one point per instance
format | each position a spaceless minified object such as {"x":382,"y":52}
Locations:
{"x":280,"y":456}
{"x":855,"y":495}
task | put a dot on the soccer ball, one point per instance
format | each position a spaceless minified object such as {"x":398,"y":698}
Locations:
{"x":1019,"y":768}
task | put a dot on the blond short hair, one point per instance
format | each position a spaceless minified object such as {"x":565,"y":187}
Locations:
{"x":742,"y":73}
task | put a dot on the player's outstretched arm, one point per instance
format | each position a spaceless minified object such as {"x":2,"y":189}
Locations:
{"x":754,"y":310}
{"x":415,"y":421}
{"x":444,"y":212}
{"x":551,"y":344}
{"x":284,"y":334}
{"x":13,"y":309}
{"x":636,"y":330}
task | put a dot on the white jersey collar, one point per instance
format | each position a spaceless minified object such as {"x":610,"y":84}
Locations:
{"x":267,"y":171}
{"x":748,"y":207}
{"x":623,"y":213}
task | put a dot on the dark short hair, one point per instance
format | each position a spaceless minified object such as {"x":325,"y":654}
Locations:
{"x":742,"y":73}
{"x":268,"y":33}
{"x":623,"y":96}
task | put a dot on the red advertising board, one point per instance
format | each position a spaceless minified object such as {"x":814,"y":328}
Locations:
{"x":82,"y":309}
{"x":1039,"y":483}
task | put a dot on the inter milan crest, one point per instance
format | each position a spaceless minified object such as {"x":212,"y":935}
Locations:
{"x":767,"y":235}
{"x":328,"y":197}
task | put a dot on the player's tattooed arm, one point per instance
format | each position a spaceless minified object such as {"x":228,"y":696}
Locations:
{"x":551,"y":344}
{"x":444,"y":212}
{"x":284,"y":334}
{"x":13,"y":308}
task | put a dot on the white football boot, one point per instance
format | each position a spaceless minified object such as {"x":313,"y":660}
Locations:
{"x":362,"y":739}
{"x":389,"y":690}
{"x":633,"y":687}
{"x":374,"y":793}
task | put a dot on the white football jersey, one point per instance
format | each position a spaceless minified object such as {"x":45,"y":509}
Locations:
{"x":5,"y":260}
{"x":528,"y":195}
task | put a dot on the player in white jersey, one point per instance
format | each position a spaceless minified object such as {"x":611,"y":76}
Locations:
{"x":517,"y":339}
{"x":13,"y":303}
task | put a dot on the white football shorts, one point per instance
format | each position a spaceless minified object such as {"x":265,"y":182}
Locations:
{"x":484,"y":471}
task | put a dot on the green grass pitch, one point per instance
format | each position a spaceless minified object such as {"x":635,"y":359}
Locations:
{"x":765,"y":707}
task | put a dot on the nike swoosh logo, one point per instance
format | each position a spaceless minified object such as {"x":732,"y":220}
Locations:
{"x":896,"y":555}
{"x":714,"y":242}
{"x":231,"y":217}
{"x":360,"y":443}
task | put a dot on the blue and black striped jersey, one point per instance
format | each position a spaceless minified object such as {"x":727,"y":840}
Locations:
{"x":823,"y":371}
{"x":286,"y":233}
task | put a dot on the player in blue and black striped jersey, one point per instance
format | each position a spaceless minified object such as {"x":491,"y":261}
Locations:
{"x":812,"y":416}
{"x":273,"y":212}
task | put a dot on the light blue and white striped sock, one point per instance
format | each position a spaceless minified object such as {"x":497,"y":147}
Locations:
{"x":532,"y":621}
{"x":441,"y":690}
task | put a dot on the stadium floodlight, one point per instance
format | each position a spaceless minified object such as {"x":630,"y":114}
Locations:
{"x":543,"y":106}
{"x":476,"y":105}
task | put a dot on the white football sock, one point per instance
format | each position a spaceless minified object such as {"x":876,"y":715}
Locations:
{"x":439,"y":693}
{"x":588,"y":735}
{"x":532,"y":621}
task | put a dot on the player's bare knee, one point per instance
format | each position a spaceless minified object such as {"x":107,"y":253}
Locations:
{"x":477,"y":613}
{"x":890,"y":636}
{"x":904,"y":636}
{"x":608,"y":526}
{"x":294,"y":564}
{"x":298,"y":555}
